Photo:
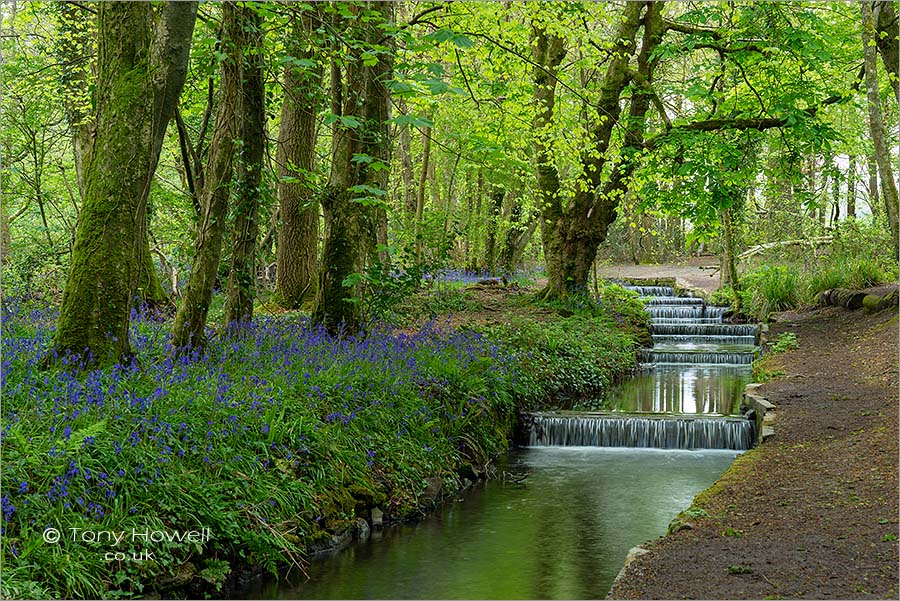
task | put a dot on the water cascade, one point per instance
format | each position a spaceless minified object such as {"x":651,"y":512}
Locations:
{"x":657,"y":432}
{"x":692,"y":349}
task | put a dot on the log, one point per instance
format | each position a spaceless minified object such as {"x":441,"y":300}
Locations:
{"x":841,"y":297}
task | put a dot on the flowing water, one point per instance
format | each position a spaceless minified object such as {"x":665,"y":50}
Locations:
{"x":598,"y":482}
{"x":563,"y":535}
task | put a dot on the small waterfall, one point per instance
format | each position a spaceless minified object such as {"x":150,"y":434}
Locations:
{"x":652,"y":290}
{"x":685,"y":320}
{"x":705,"y":339}
{"x":673,"y":300}
{"x":640,"y":431}
{"x":686,"y":332}
{"x":695,"y":357}
{"x":711,"y":329}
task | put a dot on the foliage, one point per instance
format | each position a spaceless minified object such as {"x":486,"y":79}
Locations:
{"x":626,"y":308}
{"x":571,"y":357}
{"x":272,"y":437}
{"x":787,"y":341}
{"x":774,"y":288}
{"x":854,"y":260}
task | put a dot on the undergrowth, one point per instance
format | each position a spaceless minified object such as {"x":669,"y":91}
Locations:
{"x":856,"y":259}
{"x":274,"y":437}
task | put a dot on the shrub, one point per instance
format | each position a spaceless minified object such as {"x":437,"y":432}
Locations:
{"x":774,"y":288}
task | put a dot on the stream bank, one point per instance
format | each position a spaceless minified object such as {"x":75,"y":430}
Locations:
{"x":278,"y":439}
{"x":813,"y":512}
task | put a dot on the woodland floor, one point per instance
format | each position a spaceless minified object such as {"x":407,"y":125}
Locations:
{"x":813,"y":512}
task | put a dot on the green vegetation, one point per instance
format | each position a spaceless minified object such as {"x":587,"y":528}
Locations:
{"x":854,"y":259}
{"x":368,"y":162}
{"x":276,"y":436}
{"x":787,"y":341}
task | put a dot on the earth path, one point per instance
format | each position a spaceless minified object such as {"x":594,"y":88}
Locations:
{"x":694,"y":272}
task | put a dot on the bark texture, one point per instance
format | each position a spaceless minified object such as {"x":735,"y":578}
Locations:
{"x":887,"y":28}
{"x":572,"y":231}
{"x":298,"y":236}
{"x":190,"y":320}
{"x":876,"y":125}
{"x":350,"y":214}
{"x":137,"y":60}
{"x":242,"y":276}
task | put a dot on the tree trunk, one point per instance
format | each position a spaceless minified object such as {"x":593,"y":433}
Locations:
{"x":5,"y":238}
{"x":140,"y":73}
{"x":851,"y":188}
{"x":76,"y":46}
{"x":888,"y":40}
{"x":872,"y":170}
{"x":242,"y":276}
{"x":298,"y":237}
{"x":517,"y":238}
{"x":493,"y":223}
{"x":571,"y":234}
{"x":190,"y":320}
{"x":420,"y":192}
{"x":406,"y":169}
{"x":74,"y":50}
{"x":876,"y":125}
{"x":350,"y":223}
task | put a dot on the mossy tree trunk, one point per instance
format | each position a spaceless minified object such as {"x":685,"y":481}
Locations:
{"x":572,"y":231}
{"x":190,"y":320}
{"x":876,"y":125}
{"x":141,"y":66}
{"x":78,"y":28}
{"x":498,"y":193}
{"x":349,"y":200}
{"x":887,"y":27}
{"x":517,"y":237}
{"x":242,"y":276}
{"x":298,"y":236}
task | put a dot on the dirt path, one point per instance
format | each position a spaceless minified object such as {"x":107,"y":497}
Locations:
{"x":813,"y":513}
{"x":693,"y":272}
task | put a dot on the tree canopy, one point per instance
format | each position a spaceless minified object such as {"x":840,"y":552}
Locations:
{"x":344,"y":150}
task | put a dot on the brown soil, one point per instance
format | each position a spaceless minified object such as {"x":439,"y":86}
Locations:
{"x":813,"y":512}
{"x":699,"y":273}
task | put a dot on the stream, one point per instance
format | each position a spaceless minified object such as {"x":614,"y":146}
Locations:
{"x":598,"y":483}
{"x":564,"y":535}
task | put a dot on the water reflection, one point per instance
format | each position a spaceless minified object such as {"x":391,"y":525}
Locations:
{"x":562,"y":536}
{"x":707,"y":389}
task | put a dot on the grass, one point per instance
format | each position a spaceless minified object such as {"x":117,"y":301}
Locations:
{"x":275,"y":437}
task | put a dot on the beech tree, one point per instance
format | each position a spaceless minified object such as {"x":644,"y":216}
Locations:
{"x":241,"y":289}
{"x":876,"y":123}
{"x":142,"y":56}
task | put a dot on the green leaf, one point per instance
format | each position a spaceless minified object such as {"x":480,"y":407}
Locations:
{"x":448,"y":35}
{"x":413,"y":120}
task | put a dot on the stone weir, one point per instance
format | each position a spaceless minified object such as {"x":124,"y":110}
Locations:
{"x":688,"y":335}
{"x":640,"y":430}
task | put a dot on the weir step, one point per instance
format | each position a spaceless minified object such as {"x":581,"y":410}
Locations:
{"x":686,"y":320}
{"x":702,"y":339}
{"x":711,"y":329}
{"x":663,"y":432}
{"x":673,"y":300}
{"x":703,"y":357}
{"x":651,"y":290}
{"x":689,"y":311}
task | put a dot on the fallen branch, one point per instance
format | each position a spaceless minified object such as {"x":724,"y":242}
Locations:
{"x":761,"y":248}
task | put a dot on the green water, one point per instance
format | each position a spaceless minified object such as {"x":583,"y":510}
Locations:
{"x":563,"y":535}
{"x":705,"y":389}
